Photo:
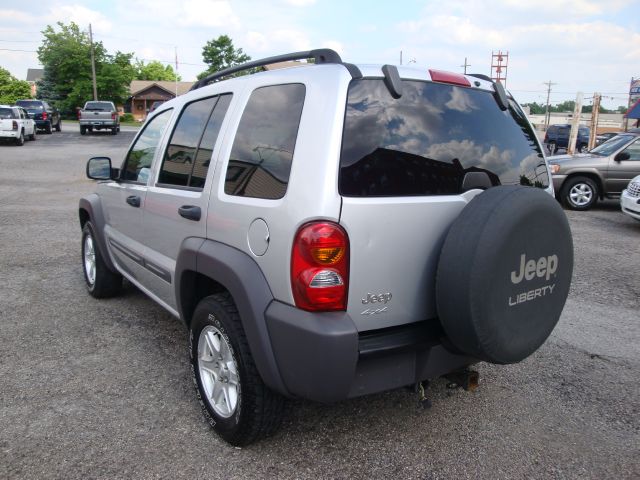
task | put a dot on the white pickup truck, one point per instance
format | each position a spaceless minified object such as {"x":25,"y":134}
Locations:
{"x":98,"y":115}
{"x":15,"y":124}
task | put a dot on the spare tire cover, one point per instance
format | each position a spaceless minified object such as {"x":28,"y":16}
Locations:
{"x":504,"y":273}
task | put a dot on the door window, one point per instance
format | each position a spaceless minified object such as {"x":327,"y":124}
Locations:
{"x":634,"y":150}
{"x":138,"y":162}
{"x":186,"y":160}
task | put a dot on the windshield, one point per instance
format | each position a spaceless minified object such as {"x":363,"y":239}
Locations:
{"x":436,"y":139}
{"x":612,"y":145}
{"x":30,"y":105}
{"x":98,"y":106}
{"x":7,"y":113}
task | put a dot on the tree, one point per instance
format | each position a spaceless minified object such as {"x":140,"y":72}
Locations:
{"x":535,"y":108}
{"x":155,"y":70}
{"x":12,"y":89}
{"x":66,"y":55}
{"x":220,"y":53}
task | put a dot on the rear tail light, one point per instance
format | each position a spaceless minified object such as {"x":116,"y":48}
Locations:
{"x":44,"y":115}
{"x":78,"y":113}
{"x":320,"y":267}
{"x":14,"y":126}
{"x":113,"y":115}
{"x":546,"y":138}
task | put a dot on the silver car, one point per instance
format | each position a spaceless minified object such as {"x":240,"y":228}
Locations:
{"x":580,"y":180}
{"x":630,"y":199}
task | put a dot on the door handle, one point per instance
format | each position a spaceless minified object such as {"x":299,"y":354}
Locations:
{"x":133,"y":200}
{"x":190,"y":212}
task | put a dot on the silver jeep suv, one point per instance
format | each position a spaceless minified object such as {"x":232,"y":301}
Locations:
{"x":332,"y":231}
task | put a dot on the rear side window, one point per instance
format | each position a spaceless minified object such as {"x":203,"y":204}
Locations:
{"x":7,"y":113}
{"x":186,"y":160}
{"x":262,"y":152}
{"x":436,"y":139}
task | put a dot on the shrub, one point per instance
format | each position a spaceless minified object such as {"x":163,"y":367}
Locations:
{"x":127,"y":117}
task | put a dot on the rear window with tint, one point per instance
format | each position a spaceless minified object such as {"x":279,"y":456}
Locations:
{"x":435,"y":140}
{"x":98,"y":106}
{"x":30,"y":105}
{"x":7,"y":113}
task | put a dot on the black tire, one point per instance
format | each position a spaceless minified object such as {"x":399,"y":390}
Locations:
{"x":20,"y":139}
{"x":553,"y":148}
{"x":504,"y":274}
{"x":114,"y":131}
{"x":83,"y":130}
{"x":579,"y":193}
{"x":58,"y":126}
{"x":258,"y":411}
{"x":47,"y":128}
{"x":32,"y":137}
{"x":106,"y":283}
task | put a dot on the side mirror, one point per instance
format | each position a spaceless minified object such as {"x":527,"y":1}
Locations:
{"x":622,"y":156}
{"x":99,"y":168}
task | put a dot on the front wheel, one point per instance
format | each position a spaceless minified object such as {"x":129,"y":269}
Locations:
{"x":58,"y":126}
{"x":101,"y":282}
{"x":236,"y":402}
{"x":579,"y":193}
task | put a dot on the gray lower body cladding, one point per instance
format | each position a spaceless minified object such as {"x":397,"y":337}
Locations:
{"x":322,"y":356}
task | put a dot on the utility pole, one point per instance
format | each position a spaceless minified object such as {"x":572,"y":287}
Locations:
{"x":465,"y":65}
{"x":546,"y":110}
{"x":593,"y":127}
{"x":575,"y":124}
{"x":93,"y":66}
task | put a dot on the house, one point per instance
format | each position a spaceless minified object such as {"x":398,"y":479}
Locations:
{"x":33,"y":75}
{"x":143,"y":93}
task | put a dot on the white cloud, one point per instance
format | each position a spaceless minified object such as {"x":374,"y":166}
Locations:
{"x":81,"y":15}
{"x":207,"y":13}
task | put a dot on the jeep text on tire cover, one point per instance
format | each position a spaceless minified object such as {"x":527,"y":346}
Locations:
{"x":317,"y":227}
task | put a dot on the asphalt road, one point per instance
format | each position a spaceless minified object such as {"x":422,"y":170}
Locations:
{"x":102,"y":389}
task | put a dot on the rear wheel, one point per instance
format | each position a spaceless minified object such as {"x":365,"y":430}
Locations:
{"x":579,"y":193}
{"x":101,"y":282}
{"x":33,"y":135}
{"x":47,"y":127}
{"x":83,"y":130}
{"x":236,"y":402}
{"x":114,"y":130}
{"x":20,"y":139}
{"x":582,"y":148}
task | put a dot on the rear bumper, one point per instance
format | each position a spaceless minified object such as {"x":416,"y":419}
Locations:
{"x":98,"y":123}
{"x":322,"y":357}
{"x":42,"y":123}
{"x":9,"y":133}
{"x":630,"y":205}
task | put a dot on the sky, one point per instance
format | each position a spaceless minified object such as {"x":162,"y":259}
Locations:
{"x":579,"y":45}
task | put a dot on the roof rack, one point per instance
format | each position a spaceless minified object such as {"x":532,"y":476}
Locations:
{"x":320,"y":55}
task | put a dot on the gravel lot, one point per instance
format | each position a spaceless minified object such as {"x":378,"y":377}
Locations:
{"x":102,"y":389}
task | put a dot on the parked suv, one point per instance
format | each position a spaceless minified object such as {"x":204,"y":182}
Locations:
{"x":580,"y":180}
{"x":557,"y":136}
{"x":333,"y":230}
{"x":45,"y":115}
{"x":16,"y":125}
